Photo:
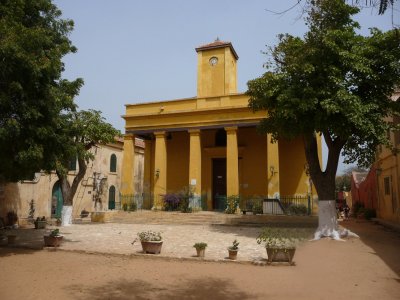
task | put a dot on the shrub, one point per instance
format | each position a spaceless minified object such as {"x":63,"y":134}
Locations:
{"x":232,"y":203}
{"x":133,"y":206}
{"x":125,"y":206}
{"x":171,"y":201}
{"x":358,"y":208}
{"x":299,"y":209}
{"x":369,"y":213}
{"x":281,"y":238}
{"x":235,"y":246}
{"x":149,"y":236}
{"x":200,"y":246}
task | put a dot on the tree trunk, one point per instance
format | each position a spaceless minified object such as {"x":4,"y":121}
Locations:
{"x":69,"y":191}
{"x":324,"y":183}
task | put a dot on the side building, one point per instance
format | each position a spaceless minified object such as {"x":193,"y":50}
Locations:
{"x":210,"y":142}
{"x":98,"y":191}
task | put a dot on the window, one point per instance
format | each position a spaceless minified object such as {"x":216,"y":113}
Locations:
{"x":386,"y":182}
{"x":72,"y":164}
{"x":113,"y":163}
{"x":220,"y":138}
{"x":111,"y":197}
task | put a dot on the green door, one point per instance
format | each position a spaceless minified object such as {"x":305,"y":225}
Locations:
{"x":111,"y":198}
{"x":56,"y":201}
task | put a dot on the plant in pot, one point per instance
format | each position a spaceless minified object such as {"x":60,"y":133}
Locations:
{"x":151,"y":241}
{"x":12,"y":219}
{"x":54,"y":239}
{"x":280,"y":243}
{"x":200,"y":248}
{"x":40,"y":223}
{"x":233,"y":250}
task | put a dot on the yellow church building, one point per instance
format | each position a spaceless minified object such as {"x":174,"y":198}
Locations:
{"x":210,"y":141}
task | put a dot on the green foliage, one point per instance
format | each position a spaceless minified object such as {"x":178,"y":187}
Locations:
{"x":149,"y":236}
{"x":273,"y":237}
{"x":125,"y":206}
{"x":55,"y":232}
{"x":133,"y":206}
{"x":33,"y":41}
{"x":299,"y":209}
{"x":358,"y":209}
{"x":200,"y":246}
{"x":369,"y":213}
{"x":232,"y":203}
{"x":184,"y":196}
{"x":235,"y":246}
{"x":332,"y":81}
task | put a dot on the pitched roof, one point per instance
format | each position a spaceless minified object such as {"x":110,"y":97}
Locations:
{"x":359,"y":177}
{"x":217,"y":44}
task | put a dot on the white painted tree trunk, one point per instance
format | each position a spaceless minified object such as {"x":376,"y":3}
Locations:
{"x":327,"y":222}
{"x":66,"y":215}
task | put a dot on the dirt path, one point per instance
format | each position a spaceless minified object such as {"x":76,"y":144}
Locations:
{"x":365,"y":268}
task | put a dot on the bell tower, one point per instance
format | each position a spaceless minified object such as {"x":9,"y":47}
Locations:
{"x":216,"y":69}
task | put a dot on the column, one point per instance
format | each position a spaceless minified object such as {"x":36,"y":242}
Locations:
{"x":195,"y":161}
{"x":273,"y":168}
{"x":232,"y":162}
{"x":147,"y":178}
{"x":128,"y":165}
{"x":160,"y":169}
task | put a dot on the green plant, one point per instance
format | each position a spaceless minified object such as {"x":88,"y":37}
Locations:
{"x":133,"y":206}
{"x":299,"y":209}
{"x":185,"y":195}
{"x":149,"y":236}
{"x":358,"y":208}
{"x":369,"y":213}
{"x":125,"y":206}
{"x":200,"y":246}
{"x":257,"y":207}
{"x":12,"y":218}
{"x":234,"y":246}
{"x":232,"y":203}
{"x":55,"y":232}
{"x":281,"y":238}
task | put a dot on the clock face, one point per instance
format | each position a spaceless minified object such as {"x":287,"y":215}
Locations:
{"x":213,"y":61}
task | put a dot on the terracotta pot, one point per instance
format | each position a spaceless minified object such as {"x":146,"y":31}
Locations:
{"x":153,"y":247}
{"x":52,"y":241}
{"x":280,"y":255}
{"x":200,"y":252}
{"x":233,"y":254}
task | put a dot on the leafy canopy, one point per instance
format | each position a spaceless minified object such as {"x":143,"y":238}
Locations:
{"x":33,"y":40}
{"x":333,"y":81}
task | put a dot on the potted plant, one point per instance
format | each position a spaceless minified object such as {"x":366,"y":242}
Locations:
{"x":151,"y":241}
{"x":40,"y":223}
{"x":12,"y":219}
{"x":54,"y":239}
{"x":200,"y":248}
{"x":233,"y":250}
{"x":280,"y":244}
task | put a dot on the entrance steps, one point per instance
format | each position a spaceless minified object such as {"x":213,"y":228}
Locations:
{"x":211,"y":218}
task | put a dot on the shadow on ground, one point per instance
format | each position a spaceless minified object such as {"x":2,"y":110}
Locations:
{"x":384,"y":242}
{"x":139,"y":289}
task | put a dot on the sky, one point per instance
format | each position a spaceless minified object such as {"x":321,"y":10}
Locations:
{"x":132,"y":51}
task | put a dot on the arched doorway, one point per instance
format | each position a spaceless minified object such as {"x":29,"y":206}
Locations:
{"x":111,"y":197}
{"x":56,"y":201}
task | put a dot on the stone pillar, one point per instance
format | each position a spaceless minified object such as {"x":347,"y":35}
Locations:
{"x":195,"y":161}
{"x":160,"y":169}
{"x":273,"y":168}
{"x":232,"y":162}
{"x":128,"y":165}
{"x":147,"y":178}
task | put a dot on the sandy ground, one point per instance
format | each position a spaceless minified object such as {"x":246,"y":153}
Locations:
{"x":365,"y":268}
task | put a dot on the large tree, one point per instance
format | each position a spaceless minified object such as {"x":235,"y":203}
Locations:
{"x":33,"y":41}
{"x":332,"y":82}
{"x":79,"y":133}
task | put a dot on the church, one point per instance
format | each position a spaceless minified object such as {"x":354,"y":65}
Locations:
{"x":210,"y":142}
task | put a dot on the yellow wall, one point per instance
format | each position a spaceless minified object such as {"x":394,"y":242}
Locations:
{"x":178,"y":161}
{"x":292,"y":175}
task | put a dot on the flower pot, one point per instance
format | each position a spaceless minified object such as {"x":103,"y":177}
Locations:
{"x":200,"y":252}
{"x":40,"y":224}
{"x":153,"y":247}
{"x":52,"y":241}
{"x":232,"y":254}
{"x":11,"y":239}
{"x":280,"y":255}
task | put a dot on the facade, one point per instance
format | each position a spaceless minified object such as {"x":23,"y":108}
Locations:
{"x":99,"y":190}
{"x":210,"y":142}
{"x":387,"y":168}
{"x":363,"y":188}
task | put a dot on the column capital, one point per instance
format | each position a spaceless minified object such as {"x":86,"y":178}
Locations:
{"x":231,"y":129}
{"x":129,"y":137}
{"x":159,"y":133}
{"x":194,"y":131}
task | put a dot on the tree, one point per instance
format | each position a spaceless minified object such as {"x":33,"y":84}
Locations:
{"x":33,"y":40}
{"x":78,"y":133}
{"x":382,"y":5}
{"x":343,"y":182}
{"x":332,"y":82}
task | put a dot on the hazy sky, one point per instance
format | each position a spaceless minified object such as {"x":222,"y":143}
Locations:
{"x":138,"y":51}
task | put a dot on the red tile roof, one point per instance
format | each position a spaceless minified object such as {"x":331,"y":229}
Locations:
{"x":217,"y":44}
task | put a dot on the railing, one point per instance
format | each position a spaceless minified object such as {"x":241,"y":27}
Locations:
{"x":134,"y":202}
{"x":288,"y":205}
